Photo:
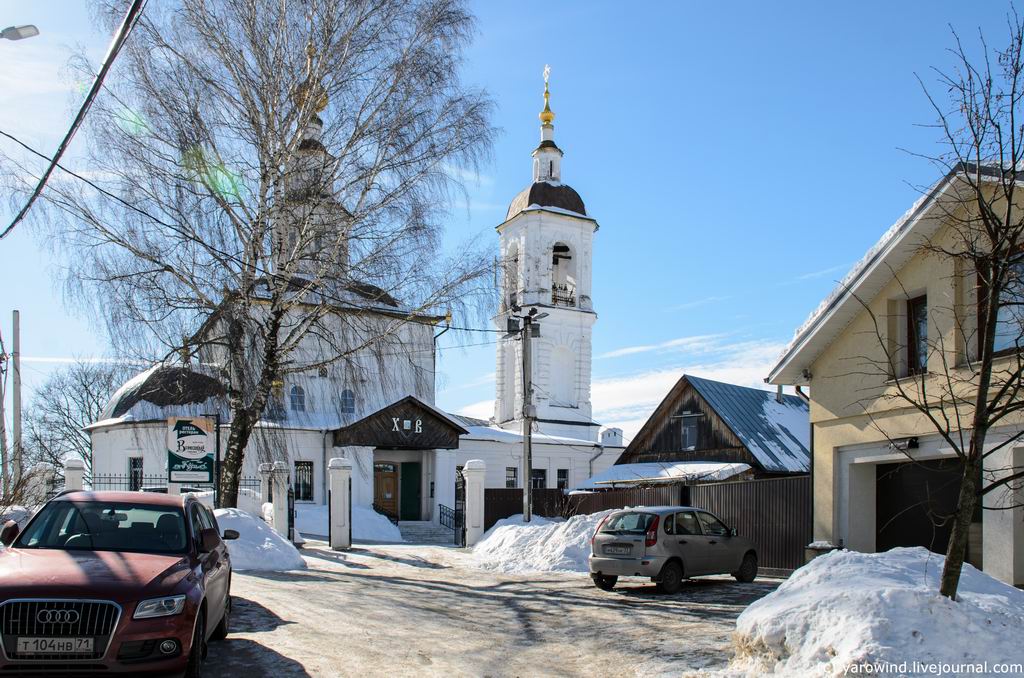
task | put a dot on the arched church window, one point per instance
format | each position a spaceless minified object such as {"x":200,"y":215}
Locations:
{"x":563,"y":377}
{"x":563,"y":275}
{"x":348,"y":402}
{"x":297,"y":397}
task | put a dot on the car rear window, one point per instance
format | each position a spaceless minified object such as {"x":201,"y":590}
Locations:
{"x":106,"y":526}
{"x":627,"y":523}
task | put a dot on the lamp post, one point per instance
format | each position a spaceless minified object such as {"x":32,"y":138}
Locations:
{"x":19,"y":32}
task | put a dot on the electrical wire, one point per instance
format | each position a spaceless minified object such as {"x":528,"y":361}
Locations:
{"x":131,"y":18}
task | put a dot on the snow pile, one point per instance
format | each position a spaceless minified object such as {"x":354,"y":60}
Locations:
{"x":258,"y":547}
{"x":846,"y":609}
{"x":367,"y":524}
{"x":248,"y":500}
{"x":541,"y":545}
{"x":18,"y":514}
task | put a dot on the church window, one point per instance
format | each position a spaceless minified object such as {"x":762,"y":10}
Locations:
{"x":510,"y":275}
{"x":563,"y":276}
{"x":297,"y":397}
{"x":348,"y":402}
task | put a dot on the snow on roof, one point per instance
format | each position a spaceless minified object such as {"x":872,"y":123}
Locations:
{"x":653,"y":472}
{"x":776,"y":433}
{"x":488,"y":431}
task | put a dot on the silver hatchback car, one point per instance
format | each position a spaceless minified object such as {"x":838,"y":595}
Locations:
{"x":667,"y":544}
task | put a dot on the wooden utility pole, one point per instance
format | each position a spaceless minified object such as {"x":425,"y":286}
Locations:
{"x":527,"y":422}
{"x":16,"y":403}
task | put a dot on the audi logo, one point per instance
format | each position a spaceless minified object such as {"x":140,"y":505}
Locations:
{"x":57,"y":616}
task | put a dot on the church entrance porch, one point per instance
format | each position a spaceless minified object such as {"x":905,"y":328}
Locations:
{"x":402,"y":482}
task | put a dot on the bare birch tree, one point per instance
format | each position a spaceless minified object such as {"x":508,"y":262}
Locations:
{"x":966,"y":382}
{"x":263,"y":175}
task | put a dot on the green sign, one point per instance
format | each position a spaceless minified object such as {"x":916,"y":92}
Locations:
{"x":190,"y":446}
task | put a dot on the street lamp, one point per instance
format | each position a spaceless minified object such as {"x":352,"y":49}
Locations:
{"x":19,"y":32}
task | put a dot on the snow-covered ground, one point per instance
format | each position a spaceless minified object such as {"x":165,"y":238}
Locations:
{"x":367,"y":524}
{"x":846,"y":610}
{"x":258,"y":547}
{"x":543,"y":545}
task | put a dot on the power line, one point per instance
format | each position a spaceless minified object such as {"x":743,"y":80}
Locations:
{"x":130,"y":20}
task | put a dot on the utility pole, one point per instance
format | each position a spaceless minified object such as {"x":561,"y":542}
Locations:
{"x":3,"y":419}
{"x":527,"y":421}
{"x":529,"y":329}
{"x":16,"y":403}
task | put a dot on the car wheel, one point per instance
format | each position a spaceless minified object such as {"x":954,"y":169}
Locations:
{"x":671,"y":578}
{"x":748,"y":569}
{"x":605,"y":583}
{"x":197,"y":653}
{"x":221,"y":631}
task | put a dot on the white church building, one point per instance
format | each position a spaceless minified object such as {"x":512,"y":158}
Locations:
{"x":406,"y":452}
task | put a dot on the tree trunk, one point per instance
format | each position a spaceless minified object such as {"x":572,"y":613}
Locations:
{"x":958,"y":538}
{"x":231,"y":468}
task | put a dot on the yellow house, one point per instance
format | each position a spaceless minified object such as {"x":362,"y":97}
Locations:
{"x":902,"y":320}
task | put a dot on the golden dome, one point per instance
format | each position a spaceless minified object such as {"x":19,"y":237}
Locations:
{"x":547,"y":116}
{"x":309,"y":90}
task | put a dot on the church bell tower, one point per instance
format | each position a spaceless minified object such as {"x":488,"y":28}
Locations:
{"x":546,"y":246}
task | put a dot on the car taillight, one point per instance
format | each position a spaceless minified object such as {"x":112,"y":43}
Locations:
{"x":652,"y":533}
{"x":599,"y":526}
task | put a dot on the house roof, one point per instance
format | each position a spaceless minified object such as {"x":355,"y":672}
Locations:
{"x":869,"y":275}
{"x":777,"y":434}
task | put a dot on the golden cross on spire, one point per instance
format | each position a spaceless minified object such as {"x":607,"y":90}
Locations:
{"x":547,"y":116}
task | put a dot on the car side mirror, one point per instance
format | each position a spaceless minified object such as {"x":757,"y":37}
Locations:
{"x":231,"y":534}
{"x":208,"y":540}
{"x":9,"y":532}
{"x":732,"y":532}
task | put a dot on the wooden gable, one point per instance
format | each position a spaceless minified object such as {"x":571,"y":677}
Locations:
{"x":408,"y":424}
{"x":660,"y":439}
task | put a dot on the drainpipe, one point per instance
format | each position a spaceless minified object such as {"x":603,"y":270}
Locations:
{"x":800,"y":392}
{"x":447,"y":326}
{"x":590,"y":462}
{"x":778,"y":394}
{"x":323,"y":469}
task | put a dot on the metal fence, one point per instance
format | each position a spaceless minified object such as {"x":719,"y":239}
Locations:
{"x":127,"y":482}
{"x":774,"y":513}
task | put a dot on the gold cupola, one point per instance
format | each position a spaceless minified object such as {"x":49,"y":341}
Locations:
{"x":310,"y":90}
{"x":547,"y":116}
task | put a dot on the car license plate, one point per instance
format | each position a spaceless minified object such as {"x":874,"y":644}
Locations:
{"x":616,"y":550}
{"x":54,"y":645}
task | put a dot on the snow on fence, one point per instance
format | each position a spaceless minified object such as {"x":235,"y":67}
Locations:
{"x":502,"y":503}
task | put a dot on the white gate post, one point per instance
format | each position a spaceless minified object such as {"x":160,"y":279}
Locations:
{"x":279,"y":476}
{"x":265,"y":470}
{"x":340,"y":528}
{"x":474,"y":472}
{"x":74,"y":474}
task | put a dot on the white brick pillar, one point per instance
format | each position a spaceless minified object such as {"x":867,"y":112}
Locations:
{"x":265,"y":470}
{"x":279,"y":477}
{"x":474,"y":472}
{"x":339,"y":472}
{"x":74,"y":474}
{"x":1002,"y":531}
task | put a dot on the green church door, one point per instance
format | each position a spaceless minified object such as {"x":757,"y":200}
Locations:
{"x":409,"y":494}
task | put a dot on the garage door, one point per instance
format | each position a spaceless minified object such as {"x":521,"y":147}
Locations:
{"x":915,"y":503}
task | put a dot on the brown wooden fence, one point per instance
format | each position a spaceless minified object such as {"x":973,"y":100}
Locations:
{"x":774,"y":513}
{"x":501,"y":503}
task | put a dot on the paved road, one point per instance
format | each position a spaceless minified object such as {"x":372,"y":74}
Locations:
{"x":417,"y":610}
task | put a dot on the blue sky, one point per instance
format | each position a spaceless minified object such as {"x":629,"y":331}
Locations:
{"x":739,"y":158}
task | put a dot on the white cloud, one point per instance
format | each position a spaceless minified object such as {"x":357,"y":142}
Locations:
{"x":467,"y":176}
{"x":626,"y":401}
{"x":480,"y":381}
{"x":480,"y":410}
{"x":695,"y":344}
{"x":817,"y":274}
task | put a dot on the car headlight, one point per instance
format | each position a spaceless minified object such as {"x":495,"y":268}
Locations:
{"x":160,"y":607}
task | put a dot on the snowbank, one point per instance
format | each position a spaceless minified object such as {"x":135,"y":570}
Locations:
{"x":847,"y":608}
{"x":695,"y":471}
{"x":367,"y":524}
{"x":248,"y":500}
{"x":258,"y":547}
{"x":17,"y":513}
{"x":542,"y":545}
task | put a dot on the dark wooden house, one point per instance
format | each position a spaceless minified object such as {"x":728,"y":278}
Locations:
{"x":701,"y":420}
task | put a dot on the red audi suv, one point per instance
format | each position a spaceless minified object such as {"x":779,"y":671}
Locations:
{"x":113,"y":582}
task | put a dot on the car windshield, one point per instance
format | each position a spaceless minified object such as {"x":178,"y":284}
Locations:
{"x":628,"y":523}
{"x":106,"y":526}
